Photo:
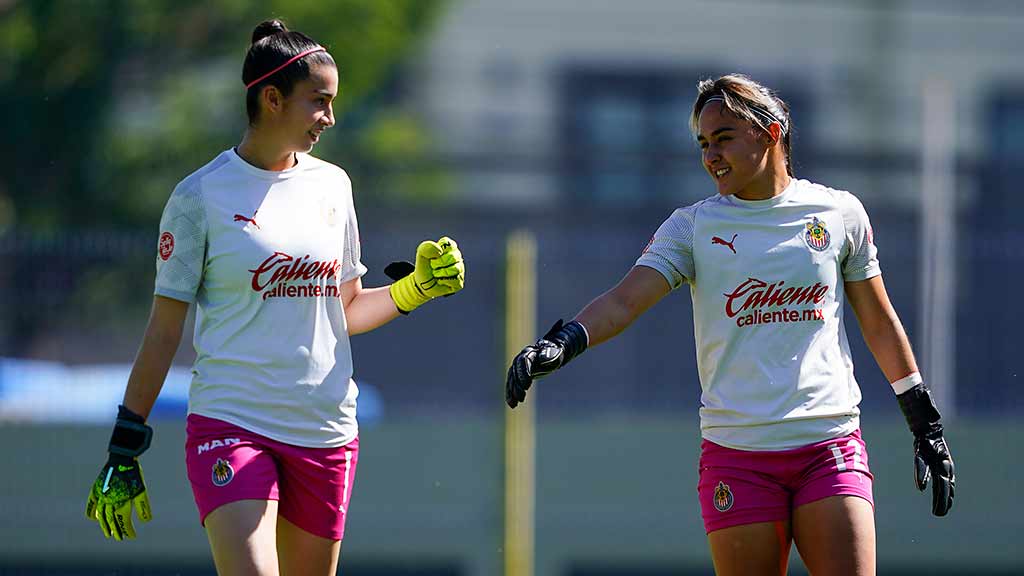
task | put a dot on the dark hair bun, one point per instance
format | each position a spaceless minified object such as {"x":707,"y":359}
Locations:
{"x":268,"y":28}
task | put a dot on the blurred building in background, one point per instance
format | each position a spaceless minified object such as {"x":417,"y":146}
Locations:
{"x":568,"y":119}
{"x":608,"y":87}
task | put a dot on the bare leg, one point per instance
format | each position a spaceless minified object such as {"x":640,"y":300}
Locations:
{"x":751,"y":549}
{"x":300,"y":552}
{"x":242,"y":537}
{"x":836,"y":536}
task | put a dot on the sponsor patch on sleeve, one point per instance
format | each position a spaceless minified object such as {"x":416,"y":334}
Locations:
{"x":166,"y":246}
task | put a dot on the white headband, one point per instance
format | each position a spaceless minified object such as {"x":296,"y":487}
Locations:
{"x":763,"y":113}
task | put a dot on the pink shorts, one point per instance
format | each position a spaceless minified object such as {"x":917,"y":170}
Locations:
{"x":743,"y":487}
{"x":227,"y":463}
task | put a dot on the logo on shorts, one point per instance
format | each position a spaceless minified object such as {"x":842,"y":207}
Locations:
{"x":816,"y":236}
{"x":222,"y":472}
{"x":723,"y":497}
{"x":207,"y":446}
{"x":166,"y":246}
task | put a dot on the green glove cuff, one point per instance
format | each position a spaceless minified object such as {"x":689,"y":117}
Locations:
{"x":407,"y":295}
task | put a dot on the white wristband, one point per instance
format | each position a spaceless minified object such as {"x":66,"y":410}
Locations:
{"x":906,"y":383}
{"x":585,"y":332}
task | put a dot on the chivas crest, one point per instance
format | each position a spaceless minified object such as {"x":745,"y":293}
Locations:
{"x":816,"y":235}
{"x":222,"y":472}
{"x":329,"y":210}
{"x":723,"y":497}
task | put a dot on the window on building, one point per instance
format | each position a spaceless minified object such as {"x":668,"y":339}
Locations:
{"x":625,"y":136}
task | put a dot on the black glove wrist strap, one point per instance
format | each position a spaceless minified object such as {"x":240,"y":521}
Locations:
{"x":572,"y":337}
{"x":919,"y":409}
{"x":116,"y":459}
{"x":131,"y":436}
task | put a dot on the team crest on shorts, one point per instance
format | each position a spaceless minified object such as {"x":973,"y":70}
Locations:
{"x":723,"y":497}
{"x":222,"y":472}
{"x":816,"y":235}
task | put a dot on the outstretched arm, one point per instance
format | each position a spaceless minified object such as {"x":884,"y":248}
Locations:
{"x":601,"y":320}
{"x":439,"y":271}
{"x":612,"y":312}
{"x":366,"y":308}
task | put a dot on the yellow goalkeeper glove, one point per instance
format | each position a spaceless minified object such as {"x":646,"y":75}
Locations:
{"x":439,"y":271}
{"x":120,"y":486}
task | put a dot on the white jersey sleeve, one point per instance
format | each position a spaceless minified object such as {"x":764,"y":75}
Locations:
{"x":181,"y":250}
{"x":351,"y":263}
{"x":860,"y":261}
{"x":670,"y":250}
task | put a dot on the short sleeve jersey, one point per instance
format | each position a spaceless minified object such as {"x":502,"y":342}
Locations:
{"x":263,"y":254}
{"x":767,"y":284}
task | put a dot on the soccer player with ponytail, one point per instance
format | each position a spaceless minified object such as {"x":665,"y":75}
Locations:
{"x":264,"y":240}
{"x":770,"y":261}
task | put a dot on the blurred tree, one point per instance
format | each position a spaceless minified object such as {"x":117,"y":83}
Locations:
{"x":106,"y":104}
{"x":398,"y":168}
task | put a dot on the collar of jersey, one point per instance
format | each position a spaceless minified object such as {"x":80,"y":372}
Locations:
{"x":300,"y":165}
{"x":769,"y":202}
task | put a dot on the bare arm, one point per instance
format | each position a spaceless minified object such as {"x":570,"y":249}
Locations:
{"x":881,"y":328}
{"x":604,"y":318}
{"x":611,"y":312}
{"x":366,"y":308}
{"x":159,"y":344}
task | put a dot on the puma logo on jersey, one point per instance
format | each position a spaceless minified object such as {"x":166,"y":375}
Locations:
{"x":206,"y":447}
{"x":241,"y":218}
{"x":717,"y":240}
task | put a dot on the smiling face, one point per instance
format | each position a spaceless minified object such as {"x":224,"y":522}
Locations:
{"x":308,"y":110}
{"x":735,"y":152}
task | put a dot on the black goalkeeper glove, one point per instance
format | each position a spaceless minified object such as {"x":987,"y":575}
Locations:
{"x":119,"y":484}
{"x":932,"y":460}
{"x":562,"y":343}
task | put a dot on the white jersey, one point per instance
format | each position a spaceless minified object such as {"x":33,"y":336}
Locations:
{"x":262,"y":254}
{"x":766,"y":279}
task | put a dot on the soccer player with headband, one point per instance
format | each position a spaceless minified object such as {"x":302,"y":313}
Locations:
{"x":264,"y":240}
{"x":770,"y":261}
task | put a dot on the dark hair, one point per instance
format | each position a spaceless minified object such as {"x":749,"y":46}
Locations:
{"x":273,"y":45}
{"x":748,"y":100}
